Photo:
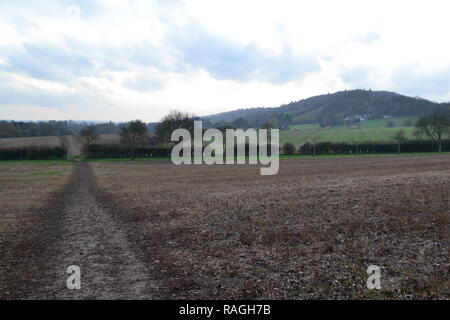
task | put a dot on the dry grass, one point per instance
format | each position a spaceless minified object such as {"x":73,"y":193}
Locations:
{"x":309,"y":232}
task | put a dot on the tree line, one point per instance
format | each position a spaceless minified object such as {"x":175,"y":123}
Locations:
{"x":433,"y":127}
{"x":21,"y":129}
{"x":15,"y":129}
{"x":136,"y":142}
{"x":409,"y":146}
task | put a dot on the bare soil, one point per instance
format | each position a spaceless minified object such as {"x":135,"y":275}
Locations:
{"x":156,"y":230}
{"x":310,"y":232}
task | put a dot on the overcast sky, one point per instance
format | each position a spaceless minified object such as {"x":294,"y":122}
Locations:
{"x":121,"y":60}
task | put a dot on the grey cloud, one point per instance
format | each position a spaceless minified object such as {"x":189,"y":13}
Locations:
{"x":357,"y":77}
{"x":71,"y":58}
{"x":415,"y":83}
{"x":224,"y":59}
{"x":13,"y":94}
{"x":49,"y":62}
{"x":405,"y":80}
{"x":183,"y":50}
{"x":144,"y":83}
{"x":143,"y":54}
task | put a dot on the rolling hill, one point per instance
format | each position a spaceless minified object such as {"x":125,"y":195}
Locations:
{"x":334,"y":109}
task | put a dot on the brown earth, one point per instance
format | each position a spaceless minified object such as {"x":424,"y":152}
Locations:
{"x":155,"y":230}
{"x":309,"y":232}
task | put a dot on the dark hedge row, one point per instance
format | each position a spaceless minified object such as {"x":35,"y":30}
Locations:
{"x":247,"y":150}
{"x":117,"y":151}
{"x":382,"y":147}
{"x":103,"y":151}
{"x":33,"y":153}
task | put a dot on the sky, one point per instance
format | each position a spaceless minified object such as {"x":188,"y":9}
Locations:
{"x":130,"y":59}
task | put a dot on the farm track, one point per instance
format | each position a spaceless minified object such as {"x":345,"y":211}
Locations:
{"x":71,"y":145}
{"x":88,"y":236}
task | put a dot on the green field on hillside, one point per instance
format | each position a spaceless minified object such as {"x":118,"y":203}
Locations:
{"x":382,"y":123}
{"x":368,"y":130}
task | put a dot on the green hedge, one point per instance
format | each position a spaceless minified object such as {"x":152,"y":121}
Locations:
{"x":104,"y":151}
{"x":33,"y":153}
{"x":410,"y":146}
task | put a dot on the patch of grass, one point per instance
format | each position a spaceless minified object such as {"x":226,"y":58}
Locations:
{"x":326,"y":156}
{"x":51,"y":161}
{"x":127,"y":159}
{"x":25,"y":191}
{"x":295,"y":156}
{"x":341,"y":134}
{"x":304,"y":126}
{"x":79,"y":157}
{"x":27,"y":186}
{"x":382,"y":123}
{"x":367,"y":130}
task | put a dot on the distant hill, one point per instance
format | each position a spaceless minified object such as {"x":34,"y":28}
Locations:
{"x":339,"y":108}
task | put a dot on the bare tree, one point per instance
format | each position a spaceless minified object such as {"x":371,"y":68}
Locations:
{"x":87,"y":137}
{"x":134,"y":135}
{"x":288,"y":148}
{"x":314,"y":140}
{"x":400,"y":138}
{"x":172,"y":121}
{"x":434,"y":127}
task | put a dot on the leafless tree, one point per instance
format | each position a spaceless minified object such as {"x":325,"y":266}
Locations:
{"x":87,"y":137}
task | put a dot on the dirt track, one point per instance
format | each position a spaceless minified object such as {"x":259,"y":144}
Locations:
{"x":72,"y":144}
{"x":90,"y":238}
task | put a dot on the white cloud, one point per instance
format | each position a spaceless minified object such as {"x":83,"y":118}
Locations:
{"x":138,"y":59}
